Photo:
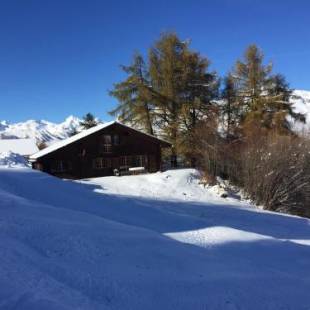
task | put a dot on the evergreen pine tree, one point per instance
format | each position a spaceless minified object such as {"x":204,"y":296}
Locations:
{"x":73,"y":132}
{"x":88,"y":121}
{"x":230,"y":108}
{"x":172,"y":93}
{"x":263,"y":97}
{"x":134,"y":102}
{"x":182,"y":89}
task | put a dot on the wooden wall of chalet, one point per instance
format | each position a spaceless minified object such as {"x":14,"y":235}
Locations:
{"x":81,"y":153}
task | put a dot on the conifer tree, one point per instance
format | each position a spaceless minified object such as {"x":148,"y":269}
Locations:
{"x":88,"y":121}
{"x":230,"y":108}
{"x":280,"y":89}
{"x":263,"y":97}
{"x":134,"y":101}
{"x":182,"y":88}
{"x":73,"y":132}
{"x":166,"y":64}
{"x":172,"y":92}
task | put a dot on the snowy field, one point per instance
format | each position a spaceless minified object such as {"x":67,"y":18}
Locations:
{"x":158,"y":241}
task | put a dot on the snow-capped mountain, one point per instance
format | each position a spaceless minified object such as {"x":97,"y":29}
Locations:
{"x":41,"y":130}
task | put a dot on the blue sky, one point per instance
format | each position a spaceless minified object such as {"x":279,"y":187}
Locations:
{"x":61,"y":57}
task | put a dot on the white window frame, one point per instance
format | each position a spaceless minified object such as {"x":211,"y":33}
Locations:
{"x":106,"y":147}
{"x":124,"y":161}
{"x":102,"y":163}
{"x":140,"y":160}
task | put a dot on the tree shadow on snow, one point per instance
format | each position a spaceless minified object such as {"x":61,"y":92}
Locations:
{"x":159,"y":215}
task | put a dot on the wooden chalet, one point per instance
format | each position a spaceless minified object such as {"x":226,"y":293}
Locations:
{"x":103,"y":150}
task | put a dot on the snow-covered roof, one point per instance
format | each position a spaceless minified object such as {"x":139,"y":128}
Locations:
{"x":84,"y":133}
{"x":23,"y":147}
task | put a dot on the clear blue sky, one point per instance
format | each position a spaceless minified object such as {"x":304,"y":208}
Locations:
{"x":61,"y":57}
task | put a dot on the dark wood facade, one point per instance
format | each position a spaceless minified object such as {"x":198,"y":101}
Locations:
{"x":100,"y":153}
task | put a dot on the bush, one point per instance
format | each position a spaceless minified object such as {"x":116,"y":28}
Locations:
{"x":272,"y":169}
{"x":276,"y":173}
{"x":208,"y":150}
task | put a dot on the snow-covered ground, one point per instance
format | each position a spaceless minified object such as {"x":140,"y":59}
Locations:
{"x":181,"y":184}
{"x":158,"y":241}
{"x":24,"y":147}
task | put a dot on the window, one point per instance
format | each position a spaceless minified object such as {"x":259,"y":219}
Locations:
{"x":106,"y":144}
{"x":139,"y":161}
{"x":107,"y":148}
{"x":116,"y":139}
{"x":107,"y":139}
{"x":61,"y":166}
{"x":133,"y":161}
{"x":102,"y":163}
{"x":125,"y":161}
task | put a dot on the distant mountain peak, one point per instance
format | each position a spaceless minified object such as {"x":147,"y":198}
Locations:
{"x":41,"y":130}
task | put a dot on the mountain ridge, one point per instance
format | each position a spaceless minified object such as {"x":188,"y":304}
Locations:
{"x":40,"y":130}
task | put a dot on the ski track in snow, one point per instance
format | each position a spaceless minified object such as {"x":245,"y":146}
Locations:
{"x":156,"y":241}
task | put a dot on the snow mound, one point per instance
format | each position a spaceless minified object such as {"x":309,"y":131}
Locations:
{"x":179,"y":184}
{"x":12,"y":160}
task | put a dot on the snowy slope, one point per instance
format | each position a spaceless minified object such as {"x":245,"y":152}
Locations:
{"x":24,"y":147}
{"x":69,"y":245}
{"x":41,"y":131}
{"x":181,"y":184}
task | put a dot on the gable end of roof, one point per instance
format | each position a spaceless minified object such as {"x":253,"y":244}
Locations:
{"x":58,"y":145}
